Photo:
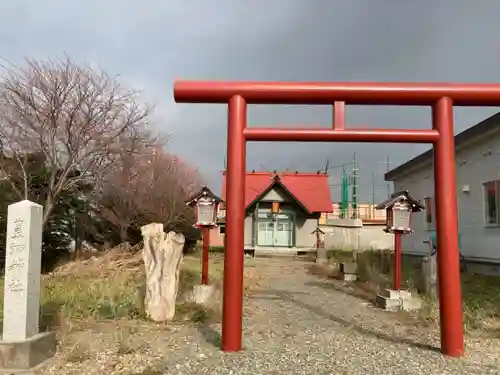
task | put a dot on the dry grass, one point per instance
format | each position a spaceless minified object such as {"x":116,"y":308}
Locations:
{"x":481,"y":297}
{"x":110,"y":287}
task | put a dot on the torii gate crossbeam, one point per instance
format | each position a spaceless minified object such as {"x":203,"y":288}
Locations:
{"x":441,"y":97}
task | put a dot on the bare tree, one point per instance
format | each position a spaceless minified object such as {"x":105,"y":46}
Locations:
{"x":171,"y":182}
{"x":151,"y":187}
{"x":118,"y":203}
{"x":80,"y":119}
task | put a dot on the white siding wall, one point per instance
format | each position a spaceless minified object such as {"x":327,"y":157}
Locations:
{"x":476,"y":163}
{"x":354,"y":235}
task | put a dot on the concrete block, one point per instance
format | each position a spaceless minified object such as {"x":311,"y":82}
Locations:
{"x":386,"y":303}
{"x":391,"y":293}
{"x":394,"y":300}
{"x":404,"y":294}
{"x":16,"y":356}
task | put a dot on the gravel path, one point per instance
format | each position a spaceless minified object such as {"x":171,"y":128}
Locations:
{"x":295,"y":323}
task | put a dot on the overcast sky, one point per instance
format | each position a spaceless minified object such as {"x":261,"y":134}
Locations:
{"x":150,"y":43}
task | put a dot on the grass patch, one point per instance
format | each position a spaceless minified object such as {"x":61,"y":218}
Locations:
{"x":481,"y":302}
{"x":190,"y":311}
{"x":339,"y":255}
{"x":480,"y":293}
{"x":375,"y":267}
{"x":110,"y":292}
{"x":217,"y":249}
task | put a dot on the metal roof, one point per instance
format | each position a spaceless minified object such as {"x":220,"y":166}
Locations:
{"x":310,"y":190}
{"x":400,"y":196}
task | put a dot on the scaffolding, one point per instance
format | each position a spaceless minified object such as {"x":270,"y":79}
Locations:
{"x":349,"y":188}
{"x":349,"y":204}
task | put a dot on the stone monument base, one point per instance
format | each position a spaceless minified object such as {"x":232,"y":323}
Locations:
{"x":348,"y":271}
{"x":19,"y":356}
{"x":321,"y":256}
{"x":202,"y":294}
{"x":349,"y":276}
{"x":396,"y":300}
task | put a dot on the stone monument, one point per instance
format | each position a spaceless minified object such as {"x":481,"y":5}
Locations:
{"x":23,"y":346}
{"x":429,"y":279}
{"x":349,"y":271}
{"x":162,"y":256}
{"x":204,"y":294}
{"x":321,"y":255}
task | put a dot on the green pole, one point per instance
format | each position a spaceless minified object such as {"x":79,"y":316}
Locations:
{"x":344,"y":204}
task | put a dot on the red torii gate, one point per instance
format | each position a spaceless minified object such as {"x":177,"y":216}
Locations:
{"x":441,"y":97}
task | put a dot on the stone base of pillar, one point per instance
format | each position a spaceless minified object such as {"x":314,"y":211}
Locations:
{"x":19,"y":356}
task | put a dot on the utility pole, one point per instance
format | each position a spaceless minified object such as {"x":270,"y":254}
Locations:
{"x":387,"y":169}
{"x":354,"y":187}
{"x":373,"y":188}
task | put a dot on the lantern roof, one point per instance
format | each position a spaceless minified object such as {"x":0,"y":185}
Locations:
{"x":317,"y":231}
{"x":401,"y":197}
{"x":205,"y":192}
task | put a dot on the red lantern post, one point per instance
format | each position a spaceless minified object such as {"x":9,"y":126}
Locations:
{"x":206,"y":204}
{"x":399,"y":208}
{"x":397,"y":260}
{"x":204,"y":262}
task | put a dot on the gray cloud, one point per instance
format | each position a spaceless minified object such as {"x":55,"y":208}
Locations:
{"x":151,"y":43}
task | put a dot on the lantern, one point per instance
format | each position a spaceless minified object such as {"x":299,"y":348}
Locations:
{"x":206,"y":212}
{"x":399,"y":208}
{"x":206,"y":204}
{"x":401,"y":212}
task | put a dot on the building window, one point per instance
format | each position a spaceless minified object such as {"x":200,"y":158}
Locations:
{"x":429,"y":213}
{"x":491,"y":202}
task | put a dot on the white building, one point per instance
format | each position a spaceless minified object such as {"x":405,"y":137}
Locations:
{"x":477,"y":156}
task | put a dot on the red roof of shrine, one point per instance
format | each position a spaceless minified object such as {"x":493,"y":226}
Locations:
{"x":311,"y":190}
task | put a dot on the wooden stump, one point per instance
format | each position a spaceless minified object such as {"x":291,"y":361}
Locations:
{"x":162,"y":256}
